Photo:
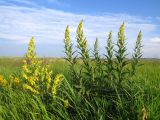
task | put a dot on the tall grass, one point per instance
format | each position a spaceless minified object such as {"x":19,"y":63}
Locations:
{"x":91,"y":88}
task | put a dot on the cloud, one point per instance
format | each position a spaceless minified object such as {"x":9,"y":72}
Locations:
{"x":33,"y":3}
{"x":48,"y":25}
{"x":155,"y":40}
{"x":14,"y":2}
{"x":19,"y":23}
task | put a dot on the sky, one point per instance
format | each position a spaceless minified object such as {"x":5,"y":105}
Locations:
{"x":46,"y":20}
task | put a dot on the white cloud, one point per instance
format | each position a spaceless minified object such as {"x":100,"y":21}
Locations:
{"x":50,"y":23}
{"x":155,"y":40}
{"x":24,"y":2}
{"x":19,"y":23}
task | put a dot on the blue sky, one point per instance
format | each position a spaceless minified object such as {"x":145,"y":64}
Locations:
{"x":46,"y":21}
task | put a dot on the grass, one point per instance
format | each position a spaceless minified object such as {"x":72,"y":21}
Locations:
{"x":113,"y":88}
{"x":19,"y":105}
{"x":148,"y":72}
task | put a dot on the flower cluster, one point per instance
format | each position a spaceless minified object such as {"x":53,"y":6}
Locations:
{"x":30,"y":89}
{"x":3,"y":82}
{"x":31,"y":66}
{"x":57,"y":81}
{"x":15,"y":81}
{"x":36,"y":75}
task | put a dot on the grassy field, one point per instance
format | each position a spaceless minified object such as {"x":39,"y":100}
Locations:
{"x":22,"y":105}
{"x":85,"y":88}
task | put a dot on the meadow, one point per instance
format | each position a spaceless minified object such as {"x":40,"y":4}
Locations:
{"x":81,"y":88}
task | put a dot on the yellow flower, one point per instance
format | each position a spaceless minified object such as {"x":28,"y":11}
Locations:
{"x":121,"y":36}
{"x":24,"y":67}
{"x":16,"y":81}
{"x":3,"y":82}
{"x":66,"y":103}
{"x":24,"y":75}
{"x":32,"y":80}
{"x":36,"y":75}
{"x":24,"y":61}
{"x":56,"y":83}
{"x":29,"y":88}
{"x":47,"y":77}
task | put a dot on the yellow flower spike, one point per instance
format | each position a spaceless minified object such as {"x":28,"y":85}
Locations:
{"x":1,"y":77}
{"x":67,"y":37}
{"x":24,"y":61}
{"x":30,"y":89}
{"x":30,"y":68}
{"x":31,"y":62}
{"x":24,"y":67}
{"x":16,"y":81}
{"x":31,"y":80}
{"x":66,"y":103}
{"x":36,"y":75}
{"x":25,"y":76}
{"x":3,"y":82}
{"x":121,"y":36}
{"x":57,"y":81}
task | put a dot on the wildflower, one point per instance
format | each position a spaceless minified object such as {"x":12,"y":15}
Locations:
{"x":16,"y":81}
{"x":32,"y":80}
{"x":57,"y":81}
{"x":3,"y":82}
{"x":121,"y":36}
{"x":48,"y":77}
{"x":31,"y":54}
{"x":37,"y":77}
{"x":66,"y":103}
{"x":31,"y":66}
{"x":24,"y":67}
{"x":67,"y":37}
{"x":24,"y":75}
{"x":82,"y":42}
{"x":30,"y":89}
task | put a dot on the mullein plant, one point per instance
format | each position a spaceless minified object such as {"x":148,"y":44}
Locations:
{"x":109,"y":62}
{"x":3,"y":82}
{"x":134,"y":64}
{"x":37,"y":78}
{"x":115,"y":70}
{"x":122,"y":72}
{"x":121,"y":61}
{"x":98,"y":69}
{"x":84,"y":52}
{"x":137,"y":54}
{"x":11,"y":83}
{"x":15,"y":82}
{"x":31,"y":69}
{"x":70,"y":56}
{"x":57,"y":81}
